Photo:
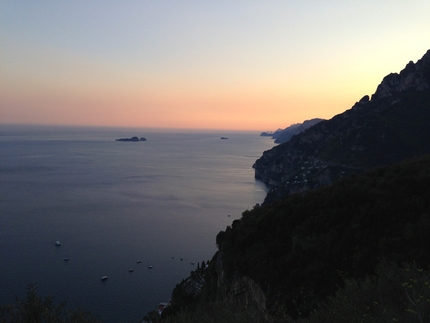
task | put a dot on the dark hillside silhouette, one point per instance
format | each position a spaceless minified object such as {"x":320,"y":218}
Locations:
{"x":388,"y":128}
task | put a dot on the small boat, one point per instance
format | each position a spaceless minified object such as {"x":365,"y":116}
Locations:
{"x":57,"y":243}
{"x":130,"y":270}
{"x":66,"y":258}
{"x":192,"y":263}
{"x":104,"y":278}
{"x":139,"y":261}
{"x":149,"y":267}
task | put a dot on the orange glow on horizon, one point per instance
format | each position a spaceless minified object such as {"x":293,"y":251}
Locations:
{"x":201,"y":66}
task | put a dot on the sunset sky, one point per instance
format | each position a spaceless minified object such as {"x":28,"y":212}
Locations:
{"x":245,"y":65}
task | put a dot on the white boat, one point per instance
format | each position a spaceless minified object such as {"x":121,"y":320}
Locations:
{"x":130,"y":270}
{"x":57,"y":243}
{"x":104,"y":278}
{"x":150,"y":267}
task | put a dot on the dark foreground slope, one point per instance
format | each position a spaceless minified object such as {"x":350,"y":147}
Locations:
{"x":297,"y":248}
{"x":291,"y":256}
{"x":388,"y":127}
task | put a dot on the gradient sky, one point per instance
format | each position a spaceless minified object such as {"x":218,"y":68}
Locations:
{"x":245,"y":65}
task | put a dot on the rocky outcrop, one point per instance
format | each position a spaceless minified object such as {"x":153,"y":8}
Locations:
{"x":387,"y":128}
{"x":211,"y":283}
{"x":242,"y":291}
{"x":193,"y":285}
{"x":413,"y":77}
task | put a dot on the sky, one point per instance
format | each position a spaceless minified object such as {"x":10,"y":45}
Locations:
{"x":239,"y":65}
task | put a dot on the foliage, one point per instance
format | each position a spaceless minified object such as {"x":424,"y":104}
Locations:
{"x":389,"y":130}
{"x":302,"y":248}
{"x":394,"y":294}
{"x":215,"y":312}
{"x":35,"y":309}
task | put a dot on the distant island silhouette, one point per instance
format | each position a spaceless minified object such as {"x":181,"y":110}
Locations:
{"x":133,"y":139}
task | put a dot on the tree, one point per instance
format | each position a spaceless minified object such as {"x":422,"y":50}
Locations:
{"x":393,"y":294}
{"x":203,"y":267}
{"x":35,"y":309}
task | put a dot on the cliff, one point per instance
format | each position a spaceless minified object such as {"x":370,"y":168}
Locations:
{"x":388,"y":127}
{"x":333,"y":252}
{"x":211,"y":284}
{"x":286,"y":261}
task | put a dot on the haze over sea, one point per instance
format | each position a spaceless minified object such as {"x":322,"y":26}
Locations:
{"x":112,"y":203}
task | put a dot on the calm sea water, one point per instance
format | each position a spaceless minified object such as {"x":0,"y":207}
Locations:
{"x":112,"y":203}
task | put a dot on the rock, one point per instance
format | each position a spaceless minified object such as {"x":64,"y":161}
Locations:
{"x":412,"y":77}
{"x":132,"y":139}
{"x":266,"y":134}
{"x":365,"y":98}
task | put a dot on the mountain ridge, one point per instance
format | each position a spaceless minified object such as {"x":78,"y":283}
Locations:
{"x":387,"y":128}
{"x":283,"y":135}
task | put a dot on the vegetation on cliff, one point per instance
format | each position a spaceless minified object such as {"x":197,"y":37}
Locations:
{"x":392,"y":294}
{"x":389,"y":127}
{"x":36,"y":309}
{"x":301,"y":248}
{"x":336,"y":247}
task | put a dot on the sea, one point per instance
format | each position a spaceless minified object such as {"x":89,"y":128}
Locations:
{"x":152,"y":206}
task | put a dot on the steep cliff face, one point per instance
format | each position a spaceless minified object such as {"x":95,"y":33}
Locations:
{"x":240,"y":290}
{"x":389,"y":127}
{"x":414,"y":77}
{"x":214,"y":284}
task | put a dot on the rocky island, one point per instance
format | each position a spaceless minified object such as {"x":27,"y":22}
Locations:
{"x":133,"y":139}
